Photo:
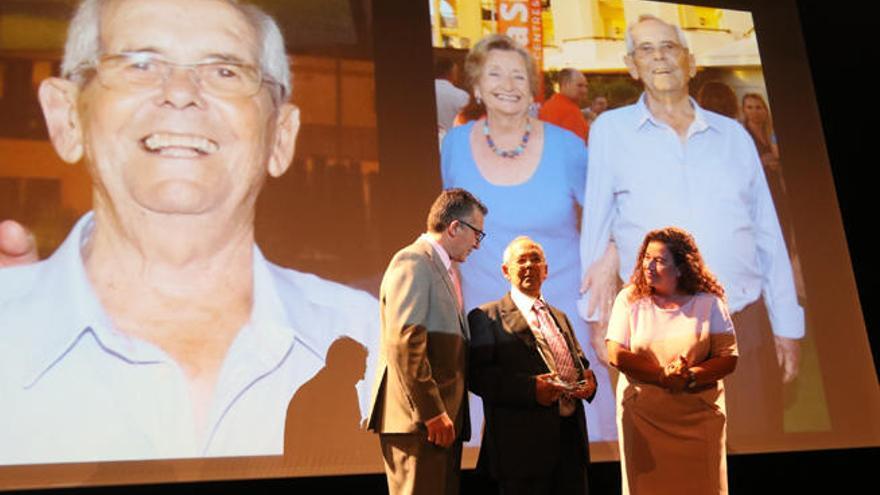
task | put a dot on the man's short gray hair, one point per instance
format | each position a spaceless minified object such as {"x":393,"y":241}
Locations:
{"x":508,"y":251}
{"x":83,"y":47}
{"x":630,"y":44}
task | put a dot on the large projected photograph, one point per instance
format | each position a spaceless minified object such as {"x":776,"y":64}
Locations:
{"x":721,"y":174}
{"x":199,"y":198}
{"x":156,"y":327}
{"x":710,"y":177}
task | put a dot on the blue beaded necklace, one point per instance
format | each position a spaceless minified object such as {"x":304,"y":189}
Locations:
{"x":508,"y":153}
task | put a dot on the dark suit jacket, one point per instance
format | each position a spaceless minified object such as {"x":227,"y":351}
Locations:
{"x":423,"y":354}
{"x":521,"y":437}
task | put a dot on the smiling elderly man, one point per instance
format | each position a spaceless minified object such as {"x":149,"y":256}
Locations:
{"x":666,"y":161}
{"x":531,"y":373}
{"x":158,"y":329}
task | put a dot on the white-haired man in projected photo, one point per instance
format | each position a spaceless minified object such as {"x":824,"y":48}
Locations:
{"x":666,"y":161}
{"x":158,"y":329}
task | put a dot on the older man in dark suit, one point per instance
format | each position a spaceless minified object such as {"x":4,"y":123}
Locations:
{"x":420,"y":397}
{"x":531,"y":373}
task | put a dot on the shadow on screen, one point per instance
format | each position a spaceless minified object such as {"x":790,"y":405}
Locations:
{"x":323,"y":425}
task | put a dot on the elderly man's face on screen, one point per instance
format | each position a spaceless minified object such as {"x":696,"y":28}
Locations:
{"x":175,"y":116}
{"x":658,"y":58}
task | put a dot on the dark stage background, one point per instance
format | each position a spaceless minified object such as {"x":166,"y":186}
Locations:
{"x":841,"y":50}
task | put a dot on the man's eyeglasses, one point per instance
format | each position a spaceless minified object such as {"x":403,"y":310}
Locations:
{"x":480,"y":234}
{"x":134,"y":71}
{"x":666,"y":48}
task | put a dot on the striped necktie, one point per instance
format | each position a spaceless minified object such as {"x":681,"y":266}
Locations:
{"x":553,"y":336}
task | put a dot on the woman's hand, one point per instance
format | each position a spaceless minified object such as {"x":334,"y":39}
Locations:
{"x":676,"y":375}
{"x":676,"y":367}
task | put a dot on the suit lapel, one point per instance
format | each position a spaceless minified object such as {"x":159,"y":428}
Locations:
{"x":515,"y":323}
{"x":441,"y":272}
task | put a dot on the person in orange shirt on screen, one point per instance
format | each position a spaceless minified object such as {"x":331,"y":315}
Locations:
{"x":564,"y":108}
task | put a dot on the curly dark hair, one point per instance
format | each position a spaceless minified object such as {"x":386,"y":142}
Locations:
{"x":695,"y":276}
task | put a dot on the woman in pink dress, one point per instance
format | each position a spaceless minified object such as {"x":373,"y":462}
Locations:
{"x":672,"y":339}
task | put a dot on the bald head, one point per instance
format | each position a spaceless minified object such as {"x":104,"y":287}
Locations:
{"x":573,"y":84}
{"x":525,"y":266}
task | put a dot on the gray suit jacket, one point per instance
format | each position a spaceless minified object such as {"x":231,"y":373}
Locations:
{"x":423,"y":354}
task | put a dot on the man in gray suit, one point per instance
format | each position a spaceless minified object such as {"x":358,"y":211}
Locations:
{"x":419,"y":399}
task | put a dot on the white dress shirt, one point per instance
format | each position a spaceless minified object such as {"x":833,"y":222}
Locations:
{"x":643,"y":176}
{"x":75,"y":389}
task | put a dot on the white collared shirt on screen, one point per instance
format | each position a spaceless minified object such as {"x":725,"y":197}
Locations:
{"x":74,"y":389}
{"x":643,"y":176}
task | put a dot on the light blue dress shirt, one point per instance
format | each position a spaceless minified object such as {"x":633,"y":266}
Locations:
{"x":74,"y":389}
{"x":643,"y":176}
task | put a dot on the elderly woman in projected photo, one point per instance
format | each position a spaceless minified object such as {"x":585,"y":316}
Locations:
{"x":158,"y":329}
{"x":672,"y":338}
{"x":531,"y":175}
